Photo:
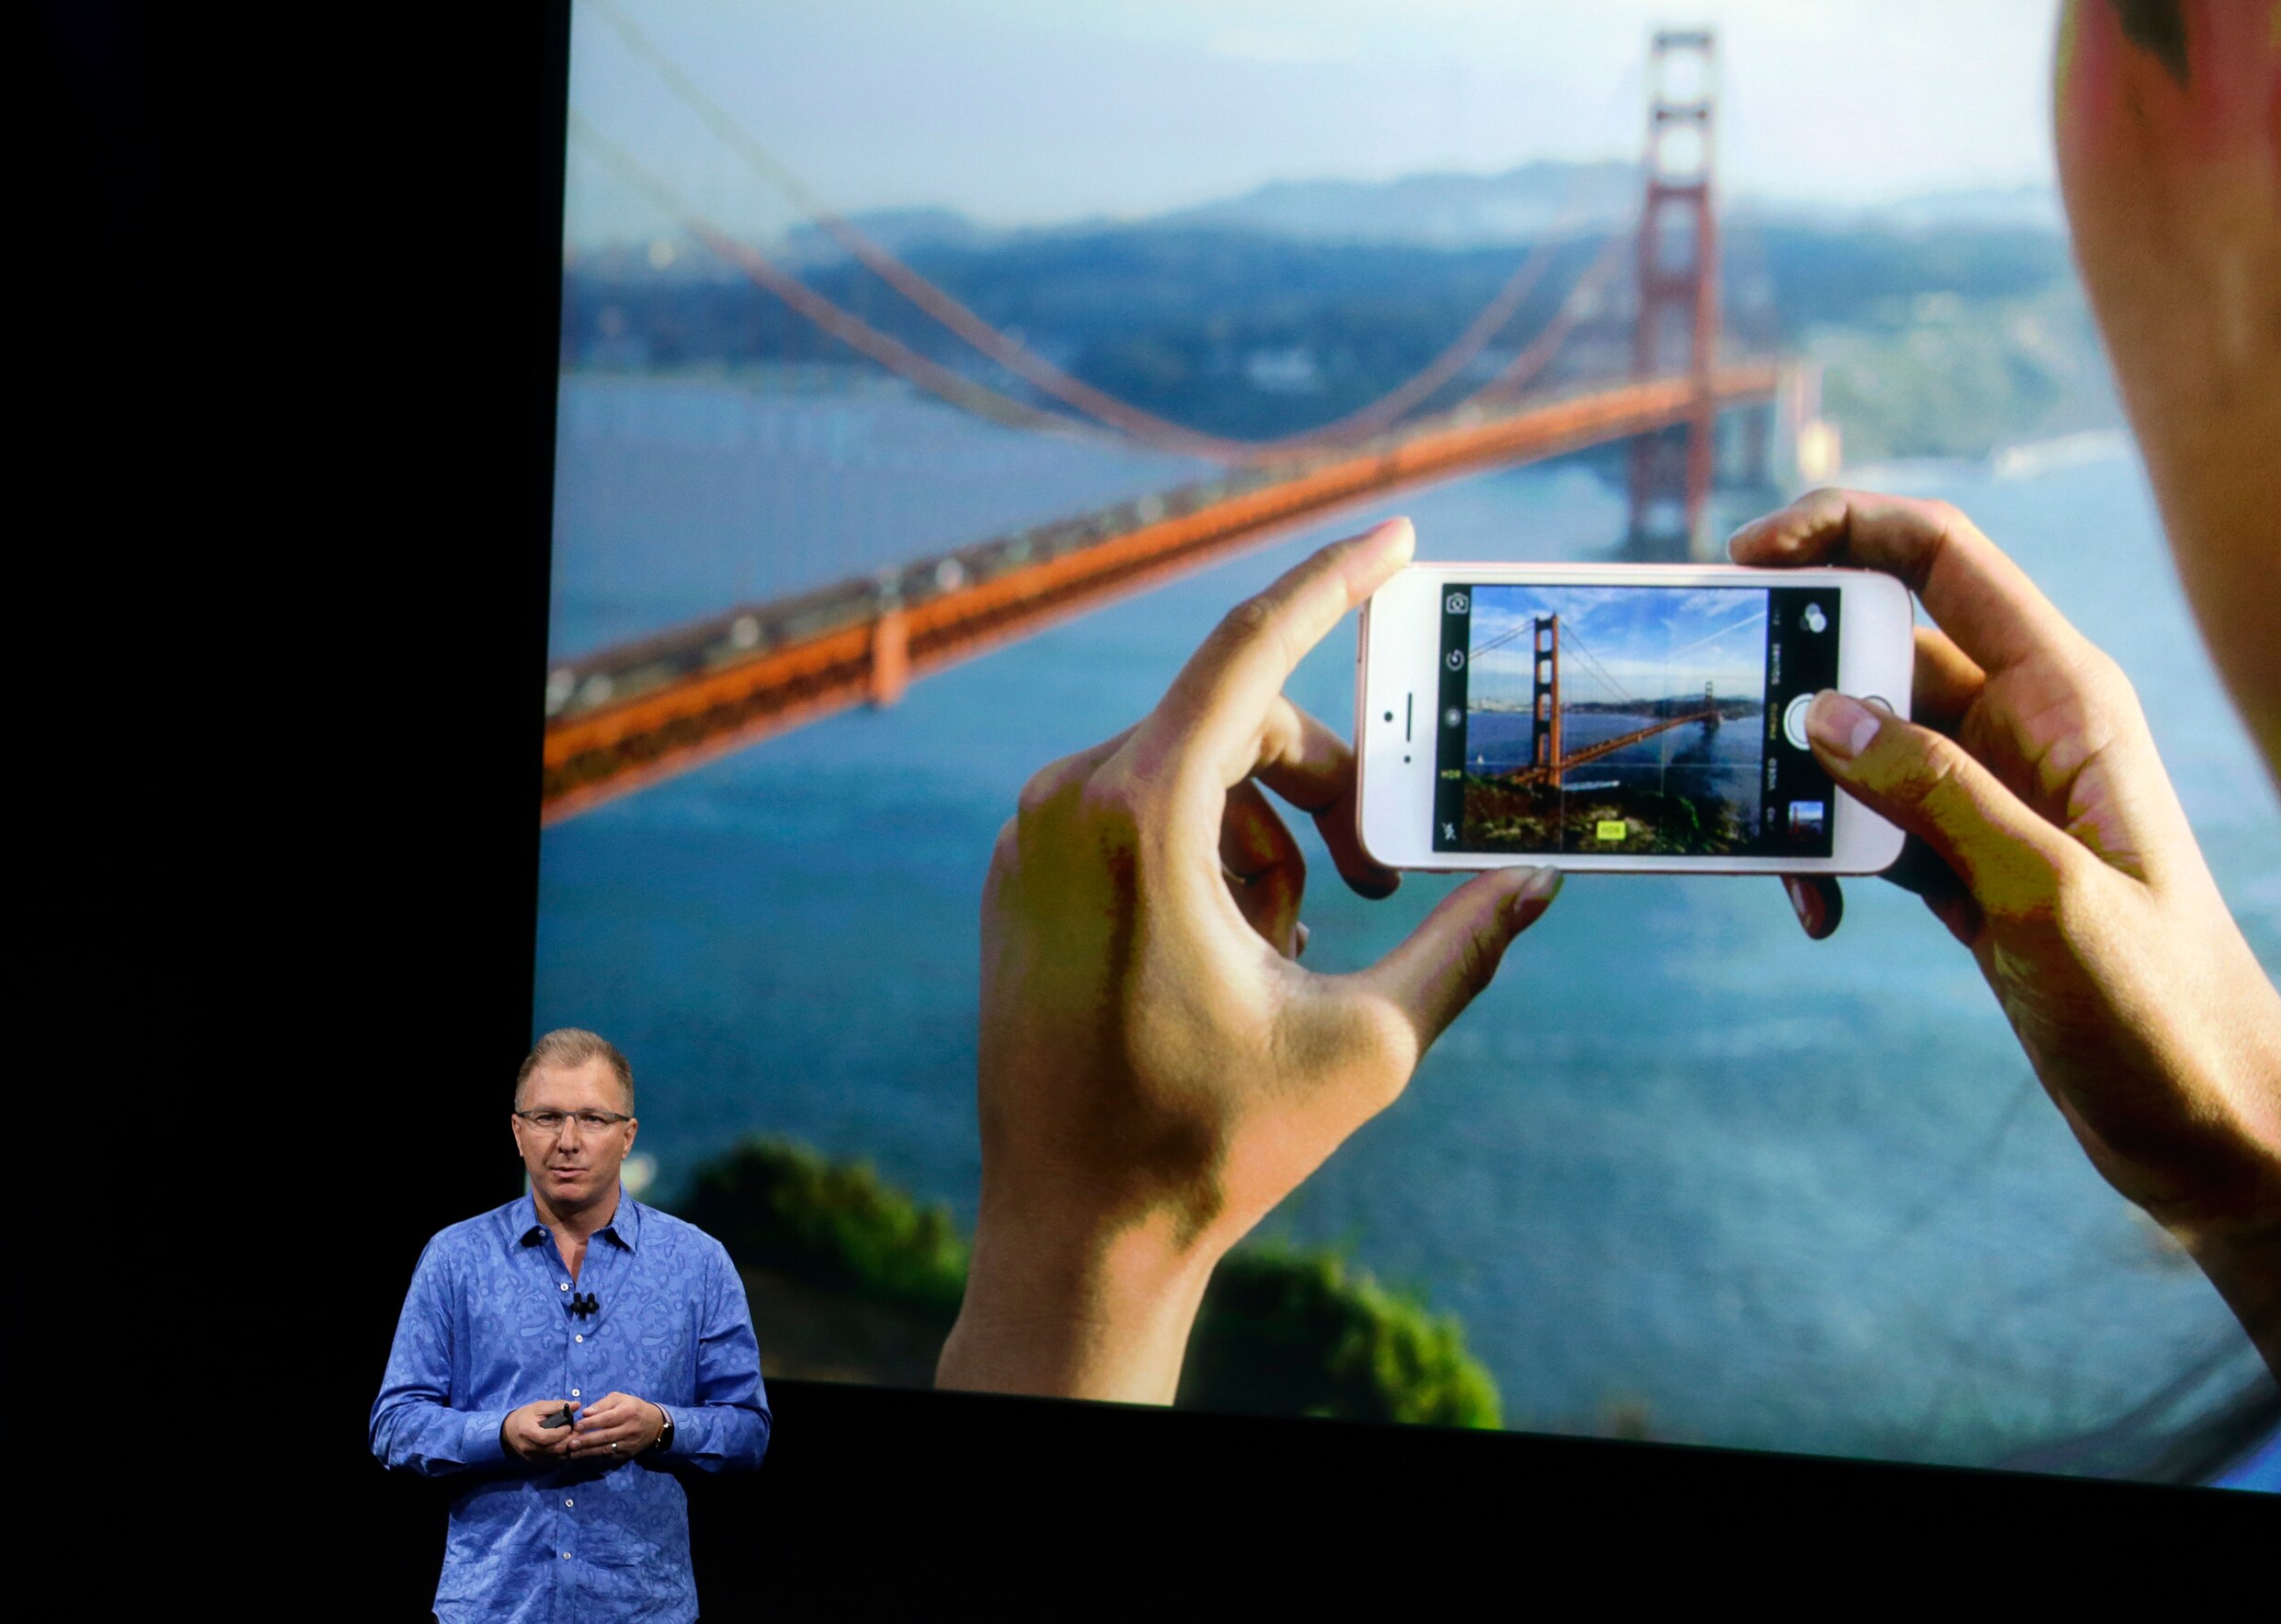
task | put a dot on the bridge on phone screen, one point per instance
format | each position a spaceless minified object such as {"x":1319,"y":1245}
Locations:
{"x":623,"y":717}
{"x":1550,"y":759}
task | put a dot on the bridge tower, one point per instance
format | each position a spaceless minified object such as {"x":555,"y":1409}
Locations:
{"x":1710,"y":703}
{"x":1544,"y":744}
{"x":1678,"y":293}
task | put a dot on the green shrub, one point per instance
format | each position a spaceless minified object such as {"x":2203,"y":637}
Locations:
{"x":776,"y":1204}
{"x":1286,"y":1333}
{"x":1281,"y":1331}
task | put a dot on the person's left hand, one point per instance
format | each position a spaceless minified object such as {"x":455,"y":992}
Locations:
{"x":616,"y":1425}
{"x":1156,"y":1070}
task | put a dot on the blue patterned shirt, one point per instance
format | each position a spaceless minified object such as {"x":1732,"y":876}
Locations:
{"x":488,"y":1327}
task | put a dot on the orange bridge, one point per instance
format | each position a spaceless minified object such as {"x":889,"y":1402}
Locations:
{"x":627,"y":716}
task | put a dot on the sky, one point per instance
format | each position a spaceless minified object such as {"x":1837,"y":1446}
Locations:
{"x":1653,"y":642}
{"x":1024,"y":112}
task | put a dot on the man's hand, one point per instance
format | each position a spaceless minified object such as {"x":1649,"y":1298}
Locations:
{"x":525,"y":1438}
{"x":616,"y":1425}
{"x":1157,"y":1069}
{"x":2046,"y":836}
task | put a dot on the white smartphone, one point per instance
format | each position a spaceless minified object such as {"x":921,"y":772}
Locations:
{"x":1643,"y":719}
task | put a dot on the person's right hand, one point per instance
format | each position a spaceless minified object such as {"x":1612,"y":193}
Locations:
{"x":1157,"y":1071}
{"x":2046,"y":836}
{"x":527,"y":1440}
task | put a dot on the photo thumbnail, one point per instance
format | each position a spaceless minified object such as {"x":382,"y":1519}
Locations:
{"x":1614,"y":720}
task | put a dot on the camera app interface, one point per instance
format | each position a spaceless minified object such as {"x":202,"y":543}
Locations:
{"x":1642,"y":720}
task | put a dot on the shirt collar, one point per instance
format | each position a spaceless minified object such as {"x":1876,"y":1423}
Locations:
{"x":624,"y":1224}
{"x":524,"y":1228}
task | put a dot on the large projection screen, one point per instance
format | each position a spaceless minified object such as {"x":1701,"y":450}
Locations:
{"x":870,"y":305}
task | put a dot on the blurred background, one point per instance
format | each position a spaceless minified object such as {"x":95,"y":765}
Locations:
{"x":932,"y":378}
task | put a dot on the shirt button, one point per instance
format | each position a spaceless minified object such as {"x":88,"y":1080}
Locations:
{"x":574,"y":1392}
{"x":564,"y":1286}
{"x":568,"y":1503}
{"x":566,"y":1556}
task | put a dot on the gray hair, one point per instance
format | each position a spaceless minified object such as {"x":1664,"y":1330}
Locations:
{"x":572,"y":1047}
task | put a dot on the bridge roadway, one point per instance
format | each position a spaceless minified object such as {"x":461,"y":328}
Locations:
{"x":1609,"y":746}
{"x":625,"y":717}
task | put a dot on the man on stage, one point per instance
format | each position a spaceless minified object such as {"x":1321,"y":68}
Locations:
{"x":562,"y":1355}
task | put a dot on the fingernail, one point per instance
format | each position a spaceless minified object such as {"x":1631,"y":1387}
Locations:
{"x":1298,"y":938}
{"x":1799,"y":903}
{"x":1842,"y":725}
{"x":1534,"y":895}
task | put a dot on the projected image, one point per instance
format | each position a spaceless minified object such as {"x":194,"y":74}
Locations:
{"x":1609,"y":719}
{"x":934,"y":380}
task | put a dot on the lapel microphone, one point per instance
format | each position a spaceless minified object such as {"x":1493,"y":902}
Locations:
{"x":583,"y":1304}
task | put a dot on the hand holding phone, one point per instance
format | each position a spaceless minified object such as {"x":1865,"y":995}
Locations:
{"x":1620,"y":718}
{"x":1157,"y":1068}
{"x":2045,"y":836}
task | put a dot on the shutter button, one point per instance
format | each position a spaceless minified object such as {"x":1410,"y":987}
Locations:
{"x":1793,"y":721}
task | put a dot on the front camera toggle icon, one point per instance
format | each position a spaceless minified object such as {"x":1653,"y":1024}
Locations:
{"x":1456,"y":604}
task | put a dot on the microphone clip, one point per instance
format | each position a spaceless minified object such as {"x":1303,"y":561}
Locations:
{"x":583,"y":1304}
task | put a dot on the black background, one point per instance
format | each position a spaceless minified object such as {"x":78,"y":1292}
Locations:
{"x":284,"y":518}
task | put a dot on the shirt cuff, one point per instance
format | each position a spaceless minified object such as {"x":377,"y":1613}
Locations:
{"x":482,"y":1444}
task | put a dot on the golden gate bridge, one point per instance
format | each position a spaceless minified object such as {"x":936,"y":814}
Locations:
{"x":1550,"y":760}
{"x":627,"y":716}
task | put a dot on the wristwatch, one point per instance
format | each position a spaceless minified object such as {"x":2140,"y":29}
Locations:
{"x":665,"y":1432}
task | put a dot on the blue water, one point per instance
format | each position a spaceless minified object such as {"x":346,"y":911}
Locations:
{"x":1678,"y":1160}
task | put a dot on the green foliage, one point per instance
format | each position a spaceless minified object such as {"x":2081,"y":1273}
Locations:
{"x":1503,"y":816}
{"x":779,"y":1205}
{"x":1287,"y":1332}
{"x":1940,"y":375}
{"x":1943,"y":342}
{"x":1281,"y":1331}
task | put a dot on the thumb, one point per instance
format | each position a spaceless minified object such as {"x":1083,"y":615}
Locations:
{"x":1930,"y":785}
{"x":1443,"y":965}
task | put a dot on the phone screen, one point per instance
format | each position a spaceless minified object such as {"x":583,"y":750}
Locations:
{"x":1647,"y":720}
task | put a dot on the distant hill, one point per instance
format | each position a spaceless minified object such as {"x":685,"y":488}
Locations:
{"x":897,"y":230}
{"x":1454,"y":211}
{"x":1947,"y":324}
{"x":1442,"y":211}
{"x":2017,"y":208}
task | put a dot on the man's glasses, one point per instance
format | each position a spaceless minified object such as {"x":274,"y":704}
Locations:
{"x":592,"y":1122}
